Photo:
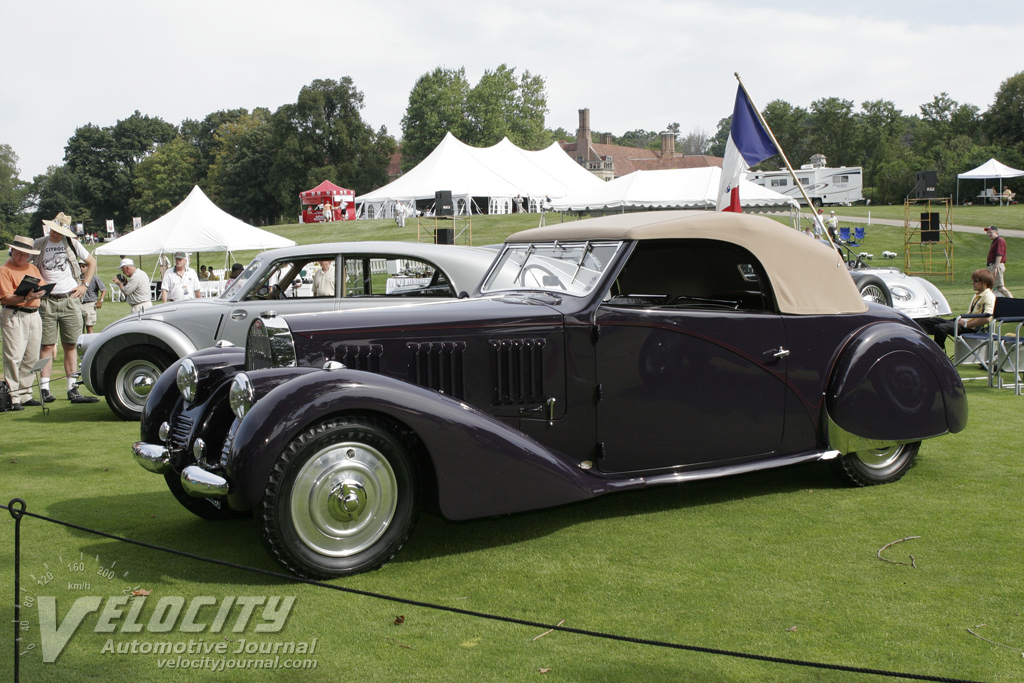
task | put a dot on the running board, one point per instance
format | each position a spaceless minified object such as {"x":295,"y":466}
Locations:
{"x":716,"y":472}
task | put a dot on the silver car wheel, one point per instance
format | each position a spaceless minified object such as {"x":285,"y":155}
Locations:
{"x":343,"y":499}
{"x":880,"y":458}
{"x":874,"y":294}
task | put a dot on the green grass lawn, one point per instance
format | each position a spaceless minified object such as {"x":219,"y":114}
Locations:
{"x":979,"y":216}
{"x":780,"y":563}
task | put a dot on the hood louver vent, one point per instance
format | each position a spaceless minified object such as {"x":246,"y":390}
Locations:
{"x":439,"y":366}
{"x":518,"y":371}
{"x":366,"y":358}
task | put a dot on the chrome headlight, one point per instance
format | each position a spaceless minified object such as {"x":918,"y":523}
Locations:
{"x":241,"y":394}
{"x":901,"y":293}
{"x":188,"y":379}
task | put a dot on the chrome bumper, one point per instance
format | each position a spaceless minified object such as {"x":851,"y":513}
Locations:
{"x":153,"y":457}
{"x":202,"y":484}
{"x":195,"y":480}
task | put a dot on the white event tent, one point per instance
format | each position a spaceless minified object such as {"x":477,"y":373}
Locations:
{"x":197,"y":224}
{"x":990,"y":170}
{"x":492,"y":175}
{"x":682,"y":188}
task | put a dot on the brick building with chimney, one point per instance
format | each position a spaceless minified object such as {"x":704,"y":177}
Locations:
{"x":609,"y":161}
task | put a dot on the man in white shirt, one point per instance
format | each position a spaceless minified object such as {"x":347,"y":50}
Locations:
{"x":323,"y":280}
{"x":180,"y":282}
{"x":61,"y":311}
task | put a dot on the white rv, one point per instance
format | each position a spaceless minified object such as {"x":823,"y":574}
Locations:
{"x":823,"y":185}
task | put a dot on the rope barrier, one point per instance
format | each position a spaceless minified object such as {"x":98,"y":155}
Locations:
{"x":17,"y":509}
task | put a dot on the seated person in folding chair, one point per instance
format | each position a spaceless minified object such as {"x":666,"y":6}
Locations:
{"x":978,"y":315}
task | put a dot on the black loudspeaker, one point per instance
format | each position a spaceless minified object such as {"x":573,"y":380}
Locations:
{"x":444,"y":236}
{"x":443,"y":204}
{"x":930,"y":227}
{"x":926,"y":184}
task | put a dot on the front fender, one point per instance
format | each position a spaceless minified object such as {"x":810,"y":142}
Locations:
{"x":101,"y":349}
{"x":892,"y":384}
{"x":164,"y":394}
{"x":483,"y":467}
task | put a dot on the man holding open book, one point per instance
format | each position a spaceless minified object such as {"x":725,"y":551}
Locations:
{"x":21,"y":288}
{"x":61,"y":311}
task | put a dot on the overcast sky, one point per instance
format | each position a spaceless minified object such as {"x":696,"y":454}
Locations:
{"x":634,"y":64}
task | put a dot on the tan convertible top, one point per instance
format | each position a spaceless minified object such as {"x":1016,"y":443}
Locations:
{"x":808,"y":277}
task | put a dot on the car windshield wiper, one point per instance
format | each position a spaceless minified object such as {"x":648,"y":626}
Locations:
{"x":579,"y":266}
{"x":529,"y":252}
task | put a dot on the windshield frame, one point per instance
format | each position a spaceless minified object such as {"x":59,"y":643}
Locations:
{"x":574,"y":268}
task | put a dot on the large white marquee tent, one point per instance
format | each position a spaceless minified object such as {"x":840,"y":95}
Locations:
{"x":493,"y":176}
{"x":197,"y":224}
{"x":683,"y":188}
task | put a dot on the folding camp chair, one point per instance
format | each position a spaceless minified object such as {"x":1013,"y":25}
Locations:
{"x":973,"y":346}
{"x":858,"y":233}
{"x":1007,"y":345}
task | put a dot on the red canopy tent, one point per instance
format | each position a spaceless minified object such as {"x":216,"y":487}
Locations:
{"x":327,"y":202}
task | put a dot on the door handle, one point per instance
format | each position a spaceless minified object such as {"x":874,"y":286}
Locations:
{"x":240,"y":314}
{"x":777,"y":353}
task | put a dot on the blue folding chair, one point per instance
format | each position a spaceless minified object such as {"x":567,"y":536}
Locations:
{"x":858,"y":233}
{"x":844,"y":234}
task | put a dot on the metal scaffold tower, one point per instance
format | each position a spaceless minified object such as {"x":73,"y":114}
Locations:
{"x":928,"y":237}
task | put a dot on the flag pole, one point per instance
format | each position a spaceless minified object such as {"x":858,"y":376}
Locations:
{"x":782,"y":154}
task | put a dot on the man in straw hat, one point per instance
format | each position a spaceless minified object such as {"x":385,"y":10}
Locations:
{"x":19,"y":320}
{"x":61,"y":312}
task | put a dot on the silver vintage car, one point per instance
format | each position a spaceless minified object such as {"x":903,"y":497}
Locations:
{"x":122,"y":362}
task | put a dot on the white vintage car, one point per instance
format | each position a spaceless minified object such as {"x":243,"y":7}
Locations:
{"x":913,"y":296}
{"x":124,"y":360}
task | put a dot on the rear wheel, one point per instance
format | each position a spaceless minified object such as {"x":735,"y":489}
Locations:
{"x":341,"y":499}
{"x":129,"y":378}
{"x":876,"y":466}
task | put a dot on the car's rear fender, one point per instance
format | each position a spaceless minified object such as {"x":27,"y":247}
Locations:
{"x":482,"y":466}
{"x":892,"y":384}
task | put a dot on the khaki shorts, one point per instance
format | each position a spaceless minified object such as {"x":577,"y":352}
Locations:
{"x":998,"y":273}
{"x":89,"y":313}
{"x":63,"y":313}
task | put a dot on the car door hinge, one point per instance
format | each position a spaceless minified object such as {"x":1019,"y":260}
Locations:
{"x":596,"y":333}
{"x":599,"y":450}
{"x":598,"y":395}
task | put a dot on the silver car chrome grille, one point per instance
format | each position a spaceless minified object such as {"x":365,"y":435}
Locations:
{"x":439,"y":366}
{"x":357,"y":357}
{"x":518,"y":371}
{"x":257,"y":349}
{"x":181,"y":427}
{"x":226,"y":449}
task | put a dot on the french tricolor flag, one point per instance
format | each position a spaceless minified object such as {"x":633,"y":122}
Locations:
{"x":749,"y":144}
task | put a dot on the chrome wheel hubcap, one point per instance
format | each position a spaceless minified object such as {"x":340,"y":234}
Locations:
{"x":343,"y":499}
{"x":880,"y":458}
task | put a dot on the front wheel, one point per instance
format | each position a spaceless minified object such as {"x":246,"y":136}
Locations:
{"x":873,"y":289}
{"x":129,"y":378}
{"x":876,"y":466}
{"x":341,"y":499}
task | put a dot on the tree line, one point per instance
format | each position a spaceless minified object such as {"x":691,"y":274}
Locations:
{"x":254,"y":163}
{"x":946,"y":136}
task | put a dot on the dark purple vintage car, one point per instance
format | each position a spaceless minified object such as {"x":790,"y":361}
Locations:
{"x":597,"y":356}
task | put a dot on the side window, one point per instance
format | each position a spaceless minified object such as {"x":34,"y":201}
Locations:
{"x":691,"y":274}
{"x":394,"y":277}
{"x":291,"y":279}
